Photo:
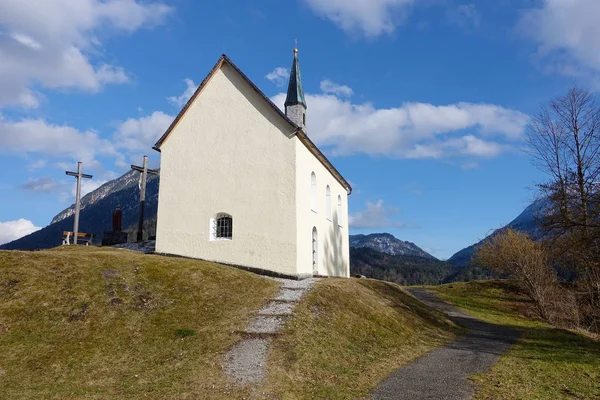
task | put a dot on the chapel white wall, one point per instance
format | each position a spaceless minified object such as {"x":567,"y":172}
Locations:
{"x":333,"y":239}
{"x":230,"y":153}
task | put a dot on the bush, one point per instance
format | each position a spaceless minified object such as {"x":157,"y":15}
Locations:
{"x":514,"y":253}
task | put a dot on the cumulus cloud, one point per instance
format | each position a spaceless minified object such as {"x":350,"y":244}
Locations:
{"x":56,"y":45}
{"x":278,"y":76}
{"x":38,"y":136}
{"x":412,"y":130}
{"x":328,"y":86}
{"x":140,"y":134}
{"x":12,"y":230}
{"x":181,"y":100}
{"x":566,"y":34}
{"x":368,"y":17}
{"x":376,"y":216}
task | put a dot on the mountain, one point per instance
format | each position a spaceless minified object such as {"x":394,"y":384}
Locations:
{"x":400,"y":269}
{"x":96,"y":213}
{"x":525,"y":222}
{"x":388,"y":244}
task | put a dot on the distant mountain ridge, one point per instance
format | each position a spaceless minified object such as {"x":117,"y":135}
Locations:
{"x":388,"y":244}
{"x":526,"y":222}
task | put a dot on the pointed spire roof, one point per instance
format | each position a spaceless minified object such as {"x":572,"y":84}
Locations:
{"x":295,"y":93}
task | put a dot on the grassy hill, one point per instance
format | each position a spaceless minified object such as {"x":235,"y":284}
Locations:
{"x":545,"y":363}
{"x":102,"y":323}
{"x":95,"y":323}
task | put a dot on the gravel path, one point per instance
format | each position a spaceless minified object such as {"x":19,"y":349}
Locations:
{"x":245,"y":362}
{"x":443,"y":373}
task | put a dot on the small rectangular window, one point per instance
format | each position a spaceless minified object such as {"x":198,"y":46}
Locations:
{"x":222,"y":227}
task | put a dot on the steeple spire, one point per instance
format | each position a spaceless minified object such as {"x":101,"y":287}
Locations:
{"x":295,"y":105}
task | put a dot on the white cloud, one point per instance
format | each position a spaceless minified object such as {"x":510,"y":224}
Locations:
{"x":278,"y":76}
{"x":44,"y":185}
{"x":566,"y":34}
{"x":140,"y":134}
{"x":376,"y":216}
{"x":179,"y":101}
{"x":369,"y":17}
{"x":413,"y":130}
{"x":464,"y":15}
{"x":12,"y":230}
{"x":330,"y":87}
{"x":54,"y":141}
{"x":55,"y":44}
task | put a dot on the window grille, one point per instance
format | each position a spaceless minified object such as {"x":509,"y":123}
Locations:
{"x":223,"y":227}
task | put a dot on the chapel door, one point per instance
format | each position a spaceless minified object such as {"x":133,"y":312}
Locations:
{"x":315,"y":251}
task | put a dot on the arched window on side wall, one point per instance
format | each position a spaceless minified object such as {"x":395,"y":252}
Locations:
{"x":313,"y":192}
{"x":339,"y":210}
{"x":222,"y":227}
{"x":328,"y":202}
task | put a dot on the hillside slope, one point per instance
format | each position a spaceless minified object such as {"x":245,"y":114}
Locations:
{"x":546,"y":363}
{"x":525,"y":222}
{"x":349,"y":334}
{"x":101,"y":323}
{"x":96,"y":212}
{"x":80,"y":322}
{"x":400,"y":269}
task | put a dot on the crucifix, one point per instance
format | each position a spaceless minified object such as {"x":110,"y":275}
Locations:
{"x":145,"y":171}
{"x":78,"y":175}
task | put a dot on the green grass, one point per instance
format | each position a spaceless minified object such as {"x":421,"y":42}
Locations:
{"x":545,"y":363}
{"x":349,"y":334}
{"x":92,"y":323}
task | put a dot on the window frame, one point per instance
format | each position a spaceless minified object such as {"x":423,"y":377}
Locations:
{"x":314,"y":193}
{"x":328,"y":212}
{"x":221,"y":227}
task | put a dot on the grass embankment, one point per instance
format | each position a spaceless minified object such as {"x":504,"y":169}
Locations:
{"x":79,"y":323}
{"x":347,"y":335}
{"x":545,"y":363}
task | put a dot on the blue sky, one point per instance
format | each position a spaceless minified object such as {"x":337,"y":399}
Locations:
{"x":422,"y":105}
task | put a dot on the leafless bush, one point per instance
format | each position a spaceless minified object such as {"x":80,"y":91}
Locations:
{"x":514,"y":253}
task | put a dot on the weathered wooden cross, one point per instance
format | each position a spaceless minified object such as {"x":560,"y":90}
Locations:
{"x":145,"y":171}
{"x":78,"y":175}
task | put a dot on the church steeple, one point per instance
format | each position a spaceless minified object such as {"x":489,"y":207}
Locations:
{"x":295,"y":105}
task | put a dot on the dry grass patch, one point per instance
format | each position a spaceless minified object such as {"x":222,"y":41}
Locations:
{"x":91,"y":323}
{"x":347,"y":335}
{"x":545,"y":363}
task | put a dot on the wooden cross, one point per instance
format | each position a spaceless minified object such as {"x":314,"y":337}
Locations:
{"x":78,"y":175}
{"x":145,"y":171}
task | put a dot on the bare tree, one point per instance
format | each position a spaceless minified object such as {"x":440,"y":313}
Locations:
{"x":564,"y":141}
{"x":514,"y":253}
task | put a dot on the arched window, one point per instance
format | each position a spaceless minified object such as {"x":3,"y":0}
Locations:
{"x":339,"y":210}
{"x":328,"y":202}
{"x":222,"y":227}
{"x":313,"y":192}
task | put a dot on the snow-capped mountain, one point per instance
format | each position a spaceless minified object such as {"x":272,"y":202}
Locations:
{"x":388,"y":244}
{"x":96,"y":212}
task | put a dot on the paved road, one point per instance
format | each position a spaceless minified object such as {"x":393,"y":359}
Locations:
{"x":443,"y":373}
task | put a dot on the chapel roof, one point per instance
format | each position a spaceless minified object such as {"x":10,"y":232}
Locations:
{"x":297,"y":130}
{"x":295,"y":93}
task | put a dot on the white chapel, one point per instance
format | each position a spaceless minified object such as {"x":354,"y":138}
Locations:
{"x":242,"y":183}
